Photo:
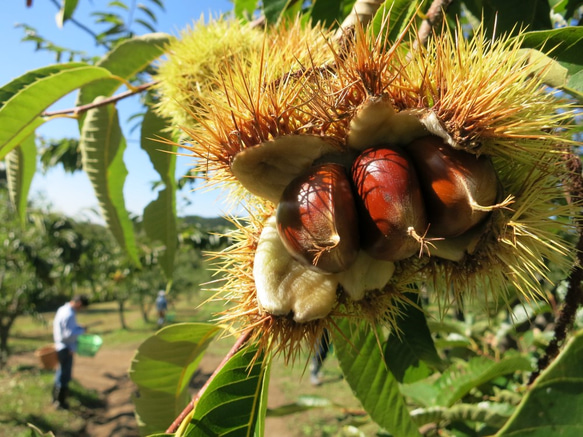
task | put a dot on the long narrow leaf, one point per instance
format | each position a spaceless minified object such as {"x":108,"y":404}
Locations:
{"x":462,"y":377}
{"x":20,"y":169}
{"x":374,"y":385}
{"x":413,"y":346}
{"x":66,"y":12}
{"x":398,"y":13}
{"x":102,"y":146}
{"x":162,"y":369}
{"x":554,"y":403}
{"x":125,"y":61}
{"x":235,"y":400}
{"x":26,"y":97}
{"x":160,"y":214}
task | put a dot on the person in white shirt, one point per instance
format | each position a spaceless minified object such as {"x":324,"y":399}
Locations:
{"x":65,"y":333}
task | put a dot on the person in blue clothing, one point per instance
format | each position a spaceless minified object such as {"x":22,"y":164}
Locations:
{"x":65,"y":333}
{"x":321,"y":349}
{"x":161,"y":307}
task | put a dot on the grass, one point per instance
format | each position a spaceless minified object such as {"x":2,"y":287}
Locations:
{"x":24,"y":391}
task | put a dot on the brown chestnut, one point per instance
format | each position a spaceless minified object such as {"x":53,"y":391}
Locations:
{"x":457,"y":186}
{"x":317,"y":219}
{"x":391,"y":211}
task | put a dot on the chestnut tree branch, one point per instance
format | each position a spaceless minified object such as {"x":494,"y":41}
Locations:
{"x":574,"y":296}
{"x":188,"y":409}
{"x":433,"y":18}
{"x":362,"y":12}
{"x":84,"y":108}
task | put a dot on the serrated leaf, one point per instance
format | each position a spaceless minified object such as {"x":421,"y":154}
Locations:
{"x":20,"y":169}
{"x":24,"y":99}
{"x":162,"y":369}
{"x":66,"y":12}
{"x":554,"y":403}
{"x":564,"y":44}
{"x":399,"y":13}
{"x":145,"y":24}
{"x":160,"y":214}
{"x":125,"y":61}
{"x":461,"y":377}
{"x":494,"y":415}
{"x":412,"y":345}
{"x":361,"y":360}
{"x":148,"y":12}
{"x":550,"y":71}
{"x":234,"y":403}
{"x":102,"y":146}
{"x":160,"y":225}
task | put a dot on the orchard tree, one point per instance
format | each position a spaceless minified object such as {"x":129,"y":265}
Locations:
{"x":410,"y":174}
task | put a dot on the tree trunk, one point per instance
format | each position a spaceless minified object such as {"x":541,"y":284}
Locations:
{"x":145,"y":308}
{"x":5,"y":325}
{"x":122,"y":320}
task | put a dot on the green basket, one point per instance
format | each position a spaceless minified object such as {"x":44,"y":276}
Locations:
{"x":88,"y":344}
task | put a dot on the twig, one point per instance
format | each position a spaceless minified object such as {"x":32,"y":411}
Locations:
{"x":188,"y":409}
{"x":84,"y":108}
{"x":82,"y":27}
{"x":362,"y":12}
{"x":574,"y":296}
{"x":433,"y":18}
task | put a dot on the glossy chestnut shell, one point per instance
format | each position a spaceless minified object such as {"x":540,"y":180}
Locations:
{"x":317,"y":220}
{"x":389,"y":203}
{"x":454,"y":184}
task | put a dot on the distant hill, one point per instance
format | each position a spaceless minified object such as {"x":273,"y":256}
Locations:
{"x":206,"y":223}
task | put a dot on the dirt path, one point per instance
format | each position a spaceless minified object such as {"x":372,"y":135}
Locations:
{"x":107,"y":373}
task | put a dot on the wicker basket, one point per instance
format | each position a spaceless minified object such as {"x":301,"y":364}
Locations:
{"x":47,"y":356}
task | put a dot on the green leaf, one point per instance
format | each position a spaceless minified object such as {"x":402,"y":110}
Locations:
{"x":413,"y":345}
{"x":125,"y":61}
{"x":510,"y":16}
{"x":550,"y":71}
{"x":20,"y":169}
{"x":273,"y":9}
{"x":162,"y":369}
{"x":564,"y":44}
{"x":102,"y":146}
{"x":234,"y":403}
{"x":494,"y":415}
{"x":160,"y":214}
{"x":244,"y":8}
{"x":399,"y":12}
{"x":461,"y":377}
{"x":66,"y":11}
{"x":554,"y":403}
{"x":327,"y":12}
{"x":359,"y":353}
{"x":24,"y":99}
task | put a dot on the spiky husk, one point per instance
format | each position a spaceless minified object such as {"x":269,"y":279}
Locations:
{"x":486,"y":97}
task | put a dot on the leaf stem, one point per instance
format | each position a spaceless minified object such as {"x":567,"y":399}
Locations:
{"x":84,"y":108}
{"x":188,"y":409}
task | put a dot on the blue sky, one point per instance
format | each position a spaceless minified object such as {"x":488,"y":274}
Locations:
{"x":73,"y":194}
